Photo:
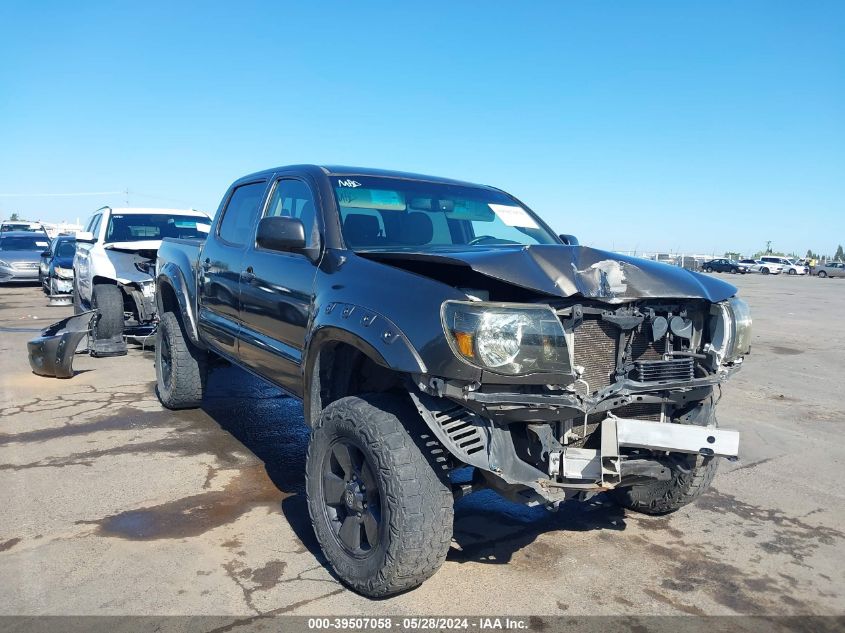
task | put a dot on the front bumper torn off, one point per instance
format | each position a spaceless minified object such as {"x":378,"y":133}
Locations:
{"x":51,"y":354}
{"x":488,"y":446}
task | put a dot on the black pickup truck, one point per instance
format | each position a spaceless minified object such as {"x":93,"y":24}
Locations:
{"x":443,"y":339}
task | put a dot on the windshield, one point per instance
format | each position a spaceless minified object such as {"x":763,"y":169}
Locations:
{"x":390,"y":213}
{"x":23,"y":244}
{"x":136,"y":227}
{"x":66,"y":249}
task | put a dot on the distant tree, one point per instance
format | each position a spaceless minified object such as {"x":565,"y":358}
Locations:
{"x":731,"y":255}
{"x":840,"y":254}
{"x":14,"y":218}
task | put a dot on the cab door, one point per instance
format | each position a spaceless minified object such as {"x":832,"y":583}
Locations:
{"x":82,"y":264}
{"x":277,"y":291}
{"x":220,"y":267}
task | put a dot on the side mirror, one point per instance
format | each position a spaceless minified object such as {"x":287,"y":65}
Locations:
{"x":279,"y":233}
{"x":85,"y":236}
{"x":569,"y":240}
{"x":45,"y":253}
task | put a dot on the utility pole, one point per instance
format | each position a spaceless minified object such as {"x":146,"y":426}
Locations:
{"x":126,"y":191}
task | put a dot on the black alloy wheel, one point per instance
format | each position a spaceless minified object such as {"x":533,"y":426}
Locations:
{"x":351,"y":498}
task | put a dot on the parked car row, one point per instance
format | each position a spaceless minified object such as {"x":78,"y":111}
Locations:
{"x":766,"y":265}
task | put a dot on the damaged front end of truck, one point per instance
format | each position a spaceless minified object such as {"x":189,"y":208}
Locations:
{"x":606,"y":386}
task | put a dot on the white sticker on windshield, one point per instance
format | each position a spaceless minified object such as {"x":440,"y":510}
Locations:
{"x":513,"y":215}
{"x":203,"y":228}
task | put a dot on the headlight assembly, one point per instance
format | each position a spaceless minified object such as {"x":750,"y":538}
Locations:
{"x":504,"y":338}
{"x":64,"y":273}
{"x":730,"y":330}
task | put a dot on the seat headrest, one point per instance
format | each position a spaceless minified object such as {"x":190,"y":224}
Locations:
{"x":417,"y":229}
{"x":360,"y":229}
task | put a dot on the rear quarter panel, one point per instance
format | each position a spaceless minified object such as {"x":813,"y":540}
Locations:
{"x":177,"y":267}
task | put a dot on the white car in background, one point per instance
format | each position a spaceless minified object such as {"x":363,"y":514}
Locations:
{"x":114,"y":268}
{"x":758,"y":266}
{"x":789,"y":266}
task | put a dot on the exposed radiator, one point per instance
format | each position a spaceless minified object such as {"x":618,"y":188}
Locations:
{"x":595,"y":350}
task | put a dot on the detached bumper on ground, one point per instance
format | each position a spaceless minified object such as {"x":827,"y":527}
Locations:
{"x":51,"y":354}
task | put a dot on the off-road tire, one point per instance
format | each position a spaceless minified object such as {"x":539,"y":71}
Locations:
{"x":108,"y":300}
{"x":664,"y":497}
{"x":183,"y":386}
{"x":416,"y":503}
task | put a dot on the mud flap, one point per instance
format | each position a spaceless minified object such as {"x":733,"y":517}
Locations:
{"x":51,"y":354}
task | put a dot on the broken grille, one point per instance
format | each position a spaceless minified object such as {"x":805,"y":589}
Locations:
{"x":661,"y":370}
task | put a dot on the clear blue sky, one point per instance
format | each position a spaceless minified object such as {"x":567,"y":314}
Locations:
{"x":705,"y":126}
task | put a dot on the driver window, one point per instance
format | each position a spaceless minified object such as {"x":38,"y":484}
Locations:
{"x":293,"y":198}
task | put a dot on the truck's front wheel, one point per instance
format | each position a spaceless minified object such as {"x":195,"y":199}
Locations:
{"x":108,"y":300}
{"x":663,"y":497}
{"x":181,"y":367}
{"x":381,"y":512}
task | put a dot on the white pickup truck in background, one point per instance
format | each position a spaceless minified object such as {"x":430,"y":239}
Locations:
{"x":114,"y":263}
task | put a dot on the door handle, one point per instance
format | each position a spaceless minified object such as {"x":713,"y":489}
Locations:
{"x":206,"y":265}
{"x":248,"y":275}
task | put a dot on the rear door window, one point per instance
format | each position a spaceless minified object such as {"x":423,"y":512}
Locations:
{"x":236,"y":224}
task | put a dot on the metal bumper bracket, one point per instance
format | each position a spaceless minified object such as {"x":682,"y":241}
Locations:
{"x":608,"y":467}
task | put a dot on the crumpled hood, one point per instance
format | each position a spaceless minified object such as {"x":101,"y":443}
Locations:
{"x":565,"y":271}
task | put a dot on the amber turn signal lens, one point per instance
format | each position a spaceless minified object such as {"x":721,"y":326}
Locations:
{"x":464,"y":342}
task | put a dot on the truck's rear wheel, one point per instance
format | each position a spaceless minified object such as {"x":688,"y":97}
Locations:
{"x":381,"y":512}
{"x":181,"y":367}
{"x":108,"y":300}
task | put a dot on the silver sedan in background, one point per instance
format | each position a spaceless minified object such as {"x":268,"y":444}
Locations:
{"x":20,"y":255}
{"x":831,"y":269}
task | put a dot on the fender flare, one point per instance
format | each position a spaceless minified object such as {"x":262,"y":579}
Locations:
{"x":171,"y":276}
{"x":371,"y":333}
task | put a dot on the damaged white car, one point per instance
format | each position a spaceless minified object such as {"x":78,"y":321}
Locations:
{"x":113,"y":267}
